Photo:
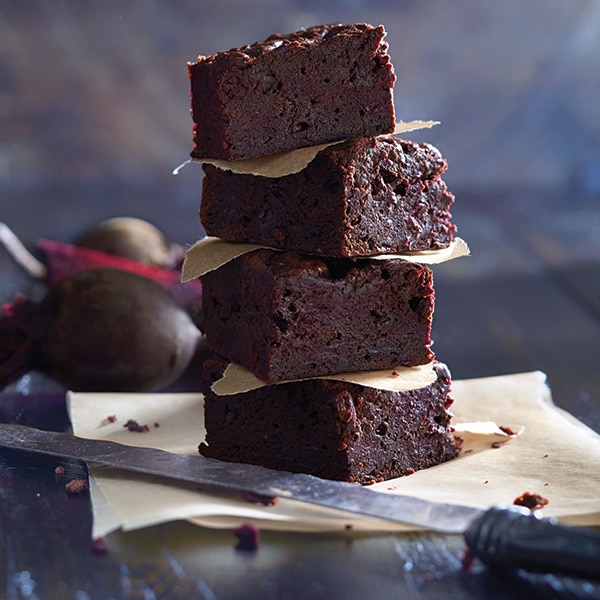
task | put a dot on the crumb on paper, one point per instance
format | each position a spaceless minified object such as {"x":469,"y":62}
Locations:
{"x":111,"y":418}
{"x":156,"y":424}
{"x":99,"y":545}
{"x":468,"y":451}
{"x":348,"y":526}
{"x":508,"y":430}
{"x":133,"y":425}
{"x":248,"y":536}
{"x":409,"y":471}
{"x":76,"y":486}
{"x":496,"y":444}
{"x":530,"y":500}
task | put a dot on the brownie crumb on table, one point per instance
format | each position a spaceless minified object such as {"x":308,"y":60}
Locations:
{"x":314,"y":86}
{"x":530,"y":500}
{"x":77,"y":486}
{"x":248,"y":536}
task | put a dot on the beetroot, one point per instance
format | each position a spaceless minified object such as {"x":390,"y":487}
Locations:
{"x":64,"y":259}
{"x":135,"y":239}
{"x":99,"y":330}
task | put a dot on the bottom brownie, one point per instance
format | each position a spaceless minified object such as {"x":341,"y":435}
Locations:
{"x":330,"y":429}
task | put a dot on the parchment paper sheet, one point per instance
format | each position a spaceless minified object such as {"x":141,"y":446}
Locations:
{"x":554,"y":455}
{"x":286,"y":163}
{"x":210,"y":253}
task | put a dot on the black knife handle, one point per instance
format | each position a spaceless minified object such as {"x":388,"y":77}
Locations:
{"x":517,"y":538}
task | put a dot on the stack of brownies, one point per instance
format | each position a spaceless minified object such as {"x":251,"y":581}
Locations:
{"x":326,"y":303}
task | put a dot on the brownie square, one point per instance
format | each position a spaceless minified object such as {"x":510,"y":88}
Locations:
{"x":314,"y":86}
{"x":285,"y":315}
{"x":362,"y":197}
{"x":331,"y":429}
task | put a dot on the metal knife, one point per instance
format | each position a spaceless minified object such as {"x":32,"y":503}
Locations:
{"x":511,"y":537}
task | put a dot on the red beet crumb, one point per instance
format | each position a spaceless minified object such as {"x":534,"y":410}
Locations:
{"x":132,"y":425}
{"x":530,"y":500}
{"x":248,"y":536}
{"x":467,"y":560}
{"x":507,"y":430}
{"x":76,"y":486}
{"x":111,"y":418}
{"x":99,"y":545}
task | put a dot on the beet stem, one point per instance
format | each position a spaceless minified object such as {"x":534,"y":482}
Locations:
{"x":20,"y":254}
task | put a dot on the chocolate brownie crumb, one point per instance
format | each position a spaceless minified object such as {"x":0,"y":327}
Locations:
{"x":77,"y":486}
{"x":133,"y":425}
{"x":530,"y":500}
{"x":99,"y":545}
{"x":248,"y":536}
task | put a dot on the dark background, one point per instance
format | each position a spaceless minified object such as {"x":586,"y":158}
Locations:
{"x":94,"y":96}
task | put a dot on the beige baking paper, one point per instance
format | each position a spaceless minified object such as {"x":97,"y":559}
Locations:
{"x":294,"y":161}
{"x":555,"y":455}
{"x":237,"y":379}
{"x":210,"y":253}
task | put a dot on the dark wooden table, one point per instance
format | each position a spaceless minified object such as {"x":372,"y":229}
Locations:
{"x":528,"y":298}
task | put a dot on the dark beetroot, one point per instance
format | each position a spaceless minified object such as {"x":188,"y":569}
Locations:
{"x":99,"y":330}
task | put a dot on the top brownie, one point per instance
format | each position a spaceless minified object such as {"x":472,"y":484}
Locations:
{"x":314,"y":86}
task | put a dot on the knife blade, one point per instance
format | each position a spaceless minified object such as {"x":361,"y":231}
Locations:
{"x":236,"y":478}
{"x":508,"y":538}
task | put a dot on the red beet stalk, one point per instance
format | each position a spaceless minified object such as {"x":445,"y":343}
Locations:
{"x":64,"y":259}
{"x":20,"y":324}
